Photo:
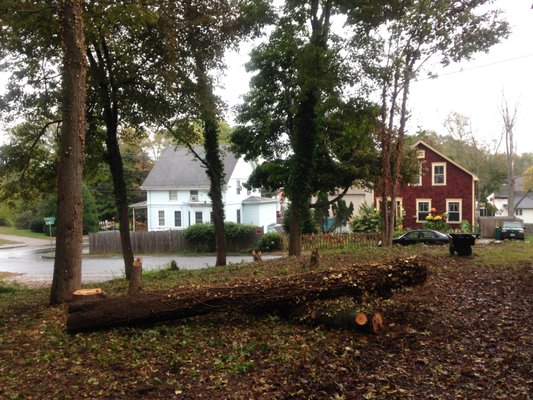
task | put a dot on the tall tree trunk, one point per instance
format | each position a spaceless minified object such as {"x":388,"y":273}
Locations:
{"x":213,"y":161}
{"x":305,"y":138}
{"x":295,"y":234}
{"x":101,"y":64}
{"x":114,"y":159}
{"x":69,"y":237}
{"x":509,"y":119}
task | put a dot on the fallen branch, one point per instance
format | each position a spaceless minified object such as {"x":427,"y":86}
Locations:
{"x":266,"y":294}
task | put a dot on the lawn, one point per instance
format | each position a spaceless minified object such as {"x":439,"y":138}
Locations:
{"x":466,"y":333}
{"x":6,"y":230}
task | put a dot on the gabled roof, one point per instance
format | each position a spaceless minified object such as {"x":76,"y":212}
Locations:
{"x":421,"y":142}
{"x":258,"y":200}
{"x":177,"y":168}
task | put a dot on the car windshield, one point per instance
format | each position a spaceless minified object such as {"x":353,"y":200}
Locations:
{"x":512,"y":225}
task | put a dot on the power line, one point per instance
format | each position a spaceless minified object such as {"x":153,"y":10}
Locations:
{"x":477,"y":67}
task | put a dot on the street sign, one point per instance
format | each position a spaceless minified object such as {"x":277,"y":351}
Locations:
{"x":50,"y":220}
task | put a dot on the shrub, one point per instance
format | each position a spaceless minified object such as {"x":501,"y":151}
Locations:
{"x":368,"y":220}
{"x":23,"y":220}
{"x":270,"y":241}
{"x":465,"y":226}
{"x":239,"y":232}
{"x":202,"y":236}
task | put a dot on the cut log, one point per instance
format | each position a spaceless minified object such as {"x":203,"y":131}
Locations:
{"x":254,"y":294}
{"x":84,"y":295}
{"x":135,"y":277}
{"x":331,"y":316}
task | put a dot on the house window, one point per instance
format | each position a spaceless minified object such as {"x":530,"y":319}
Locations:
{"x":173,"y":195}
{"x":453,"y":208}
{"x":161,"y":217}
{"x":238,"y":187}
{"x":194,"y":195}
{"x":198,"y":217}
{"x":238,"y":216}
{"x":439,"y":173}
{"x":518,"y":211}
{"x":423,"y":207}
{"x":420,"y":154}
{"x":418,"y":182}
{"x":177,"y":218}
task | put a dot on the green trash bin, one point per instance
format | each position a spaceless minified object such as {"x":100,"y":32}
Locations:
{"x":498,"y":234}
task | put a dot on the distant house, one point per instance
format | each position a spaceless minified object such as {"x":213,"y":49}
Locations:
{"x":523,"y":203}
{"x":443,"y":185}
{"x":177,"y":192}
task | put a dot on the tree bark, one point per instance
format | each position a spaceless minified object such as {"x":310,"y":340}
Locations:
{"x":251,"y":295}
{"x":69,"y":237}
{"x":102,"y":70}
{"x":215,"y":167}
{"x":135,"y":279}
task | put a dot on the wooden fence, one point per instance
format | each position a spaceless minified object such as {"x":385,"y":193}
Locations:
{"x":336,"y":241}
{"x":144,"y":242}
{"x":172,"y":241}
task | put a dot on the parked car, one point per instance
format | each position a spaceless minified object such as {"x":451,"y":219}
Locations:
{"x":426,"y":236}
{"x":512,"y":230}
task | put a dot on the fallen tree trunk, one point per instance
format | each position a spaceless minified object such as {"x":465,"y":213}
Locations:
{"x":267,"y":294}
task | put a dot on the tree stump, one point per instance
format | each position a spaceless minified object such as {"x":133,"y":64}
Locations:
{"x":313,"y":263}
{"x":83,"y":295}
{"x":135,"y":278}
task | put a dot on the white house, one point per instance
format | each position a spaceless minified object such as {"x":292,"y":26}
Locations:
{"x":523,"y":204}
{"x":177,"y":192}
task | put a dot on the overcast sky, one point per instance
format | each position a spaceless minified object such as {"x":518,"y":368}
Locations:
{"x":474,"y":89}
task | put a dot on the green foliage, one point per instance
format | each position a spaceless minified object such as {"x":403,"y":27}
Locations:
{"x":297,"y":116}
{"x":307,"y":224}
{"x":5,"y":215}
{"x":237,"y":232}
{"x":24,"y":219}
{"x":465,"y":226}
{"x":438,"y":225}
{"x":90,"y":213}
{"x":270,"y":241}
{"x":368,"y":220}
{"x":202,"y":236}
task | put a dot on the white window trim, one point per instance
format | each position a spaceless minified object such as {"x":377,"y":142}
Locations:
{"x":437,"y":164}
{"x":170,"y":197}
{"x":196,"y":218}
{"x":421,"y":154}
{"x":418,"y":201}
{"x":159,"y":213}
{"x":460,"y":201}
{"x":420,"y":171}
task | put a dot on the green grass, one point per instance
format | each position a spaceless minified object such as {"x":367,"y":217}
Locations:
{"x":200,"y":354}
{"x":6,"y":230}
{"x":3,"y":241}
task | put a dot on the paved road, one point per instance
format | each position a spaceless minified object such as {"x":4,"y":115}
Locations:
{"x":31,"y":263}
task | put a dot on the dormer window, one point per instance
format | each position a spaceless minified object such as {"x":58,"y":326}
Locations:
{"x":438,"y":174}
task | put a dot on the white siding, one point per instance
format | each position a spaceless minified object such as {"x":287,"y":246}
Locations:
{"x":159,"y":200}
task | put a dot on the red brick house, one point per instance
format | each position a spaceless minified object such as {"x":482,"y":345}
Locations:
{"x":443,"y":185}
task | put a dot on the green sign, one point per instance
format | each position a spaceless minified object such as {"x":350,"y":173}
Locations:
{"x":50,"y":220}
